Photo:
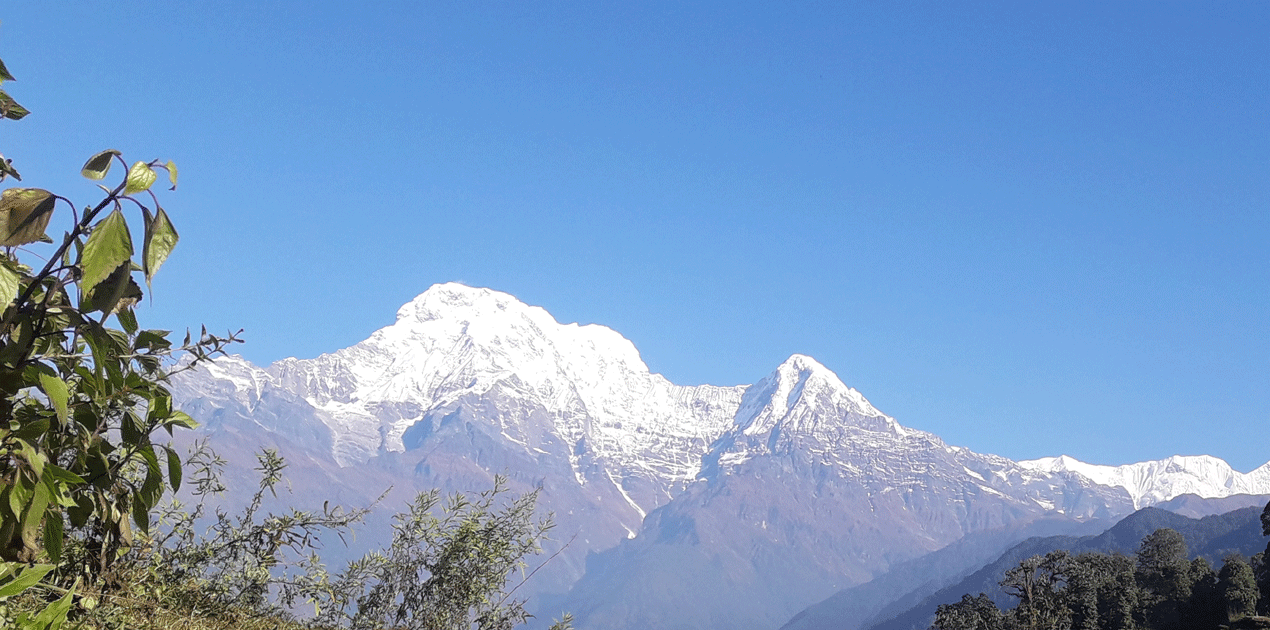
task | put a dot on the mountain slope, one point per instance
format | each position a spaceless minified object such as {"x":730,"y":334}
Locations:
{"x":811,"y":490}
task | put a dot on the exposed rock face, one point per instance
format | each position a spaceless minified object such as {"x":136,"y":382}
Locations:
{"x":753,"y":501}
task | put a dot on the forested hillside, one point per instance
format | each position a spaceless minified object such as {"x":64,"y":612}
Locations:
{"x":1154,"y":569}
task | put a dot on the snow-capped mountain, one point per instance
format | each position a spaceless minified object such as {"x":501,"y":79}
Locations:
{"x":1150,"y":483}
{"x":454,"y":341}
{"x":761,"y":499}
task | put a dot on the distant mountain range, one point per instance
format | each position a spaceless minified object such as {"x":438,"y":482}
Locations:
{"x":703,"y":507}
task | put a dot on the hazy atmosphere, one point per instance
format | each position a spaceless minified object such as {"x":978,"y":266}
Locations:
{"x":1031,"y":229}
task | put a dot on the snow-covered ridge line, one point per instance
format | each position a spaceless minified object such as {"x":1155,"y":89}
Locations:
{"x":1152,"y":482}
{"x":583,"y":392}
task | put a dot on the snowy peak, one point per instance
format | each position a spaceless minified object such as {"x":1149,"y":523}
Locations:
{"x":802,"y":395}
{"x":802,"y":409}
{"x":454,"y":340}
{"x":1153,"y":482}
{"x":579,"y":391}
{"x":498,"y":335}
{"x":508,"y":327}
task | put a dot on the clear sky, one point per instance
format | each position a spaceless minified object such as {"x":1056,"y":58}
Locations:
{"x":1032,"y":228}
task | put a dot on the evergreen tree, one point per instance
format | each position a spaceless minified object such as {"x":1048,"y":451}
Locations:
{"x":1101,"y":592}
{"x":1039,"y":584}
{"x":1163,"y":574}
{"x":1261,"y":571}
{"x":971,"y":613}
{"x":1159,"y":589}
{"x":1204,"y":609}
{"x":1238,"y":587}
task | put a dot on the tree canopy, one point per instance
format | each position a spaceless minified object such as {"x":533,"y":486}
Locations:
{"x":1158,"y":588}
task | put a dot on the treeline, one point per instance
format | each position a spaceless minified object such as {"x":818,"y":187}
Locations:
{"x":1158,"y":588}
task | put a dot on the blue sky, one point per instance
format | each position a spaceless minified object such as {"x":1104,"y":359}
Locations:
{"x":1031,"y":228}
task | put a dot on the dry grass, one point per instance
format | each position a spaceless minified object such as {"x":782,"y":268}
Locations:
{"x":138,"y":610}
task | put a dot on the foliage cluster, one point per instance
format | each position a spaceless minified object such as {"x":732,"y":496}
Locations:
{"x":1159,"y":588}
{"x":84,"y":532}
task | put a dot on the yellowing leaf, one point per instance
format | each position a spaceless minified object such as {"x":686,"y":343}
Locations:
{"x":171,"y":166}
{"x":182,"y":419}
{"x":24,"y":213}
{"x":55,"y":388}
{"x":140,"y":178}
{"x":33,"y":519}
{"x":161,"y":238}
{"x":10,"y":283}
{"x":109,"y":246}
{"x":97,"y":166}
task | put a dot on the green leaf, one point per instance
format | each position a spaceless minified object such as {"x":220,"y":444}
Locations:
{"x":99,"y":470}
{"x":140,"y":178}
{"x":32,"y":430}
{"x":26,"y":579}
{"x":34,"y":457}
{"x":153,"y":340}
{"x":141,"y":515}
{"x":128,"y":319}
{"x":79,"y":514}
{"x":174,"y":470}
{"x":160,"y":410}
{"x":53,"y":536}
{"x":55,"y":388}
{"x":181,"y":419}
{"x":34,"y":516}
{"x":108,"y":247}
{"x":18,"y":495}
{"x":161,"y":238}
{"x":10,"y":109}
{"x":10,"y":283}
{"x":154,"y":472}
{"x":131,"y":429}
{"x":54,"y":615}
{"x":171,"y":166}
{"x":117,"y":291}
{"x":97,"y":166}
{"x":24,"y":213}
{"x":63,"y":475}
{"x":4,"y":73}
